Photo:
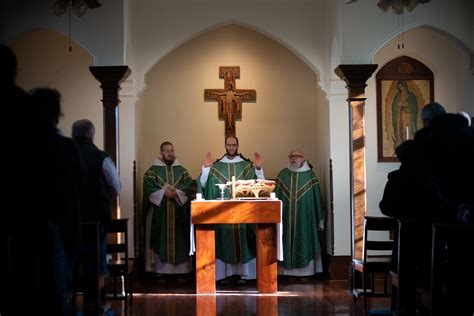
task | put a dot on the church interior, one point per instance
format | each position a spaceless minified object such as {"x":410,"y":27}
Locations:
{"x":324,"y":77}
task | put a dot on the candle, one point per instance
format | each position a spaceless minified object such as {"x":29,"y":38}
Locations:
{"x":272,"y":195}
{"x":407,"y":133}
{"x":198,"y":196}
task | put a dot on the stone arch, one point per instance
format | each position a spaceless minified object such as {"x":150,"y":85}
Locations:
{"x":446,"y":34}
{"x":251,"y":27}
{"x":45,"y":61}
{"x":74,"y":41}
{"x":271,"y":78}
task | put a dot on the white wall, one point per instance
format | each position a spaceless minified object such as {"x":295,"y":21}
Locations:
{"x":44,"y":61}
{"x":366,"y":27}
{"x":158,"y":27}
{"x":339,"y":140}
{"x":100,"y":30}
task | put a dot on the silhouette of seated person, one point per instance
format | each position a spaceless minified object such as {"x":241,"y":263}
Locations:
{"x":407,"y":191}
{"x":434,"y":182}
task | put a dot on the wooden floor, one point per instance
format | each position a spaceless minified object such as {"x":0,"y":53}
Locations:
{"x":294,"y":297}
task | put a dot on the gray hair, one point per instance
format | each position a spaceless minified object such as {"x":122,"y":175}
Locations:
{"x":430,"y":111}
{"x":464,"y":114}
{"x":83,"y":129}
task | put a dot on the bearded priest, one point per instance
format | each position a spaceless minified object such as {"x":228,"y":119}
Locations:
{"x":303,"y":216}
{"x":235,"y":243}
{"x":166,"y":189}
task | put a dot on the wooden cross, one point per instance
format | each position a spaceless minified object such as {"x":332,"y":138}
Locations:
{"x":230,"y":99}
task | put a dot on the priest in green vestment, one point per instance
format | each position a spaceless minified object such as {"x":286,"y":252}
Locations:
{"x":235,"y":243}
{"x":303,"y":216}
{"x":166,"y":187}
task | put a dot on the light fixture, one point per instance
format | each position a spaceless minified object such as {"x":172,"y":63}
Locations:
{"x":79,"y":7}
{"x":60,"y":7}
{"x":398,"y":5}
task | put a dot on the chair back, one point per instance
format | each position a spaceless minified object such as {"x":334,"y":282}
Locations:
{"x":376,"y":257}
{"x":117,"y":245}
{"x":378,"y":247}
{"x":120,"y":267}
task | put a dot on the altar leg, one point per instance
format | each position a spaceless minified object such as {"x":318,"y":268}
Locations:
{"x":267,"y":305}
{"x":205,"y":259}
{"x":206,"y":305}
{"x":266,"y":258}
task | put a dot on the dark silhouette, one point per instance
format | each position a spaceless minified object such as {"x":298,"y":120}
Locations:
{"x":434,"y":183}
{"x":22,"y":229}
{"x":102,"y":183}
{"x":66,"y":171}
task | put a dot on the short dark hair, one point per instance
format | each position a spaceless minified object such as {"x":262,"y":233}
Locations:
{"x":231,"y":136}
{"x":49,"y":102}
{"x":83,"y":129}
{"x":163,"y":144}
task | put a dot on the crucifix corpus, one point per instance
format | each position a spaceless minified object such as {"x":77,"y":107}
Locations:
{"x":230,"y":99}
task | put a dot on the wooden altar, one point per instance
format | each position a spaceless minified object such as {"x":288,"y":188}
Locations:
{"x":264,"y":213}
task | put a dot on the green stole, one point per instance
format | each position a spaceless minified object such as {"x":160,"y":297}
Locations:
{"x":235,"y":243}
{"x":169,"y":235}
{"x":302,"y":212}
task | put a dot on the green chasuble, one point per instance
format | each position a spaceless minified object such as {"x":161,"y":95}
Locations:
{"x":170,"y":224}
{"x":235,"y":243}
{"x":302,"y":215}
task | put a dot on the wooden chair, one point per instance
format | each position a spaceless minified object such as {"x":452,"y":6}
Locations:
{"x":376,"y":258}
{"x":87,"y":278}
{"x":403,"y":276}
{"x":120,"y":266}
{"x":450,"y":291}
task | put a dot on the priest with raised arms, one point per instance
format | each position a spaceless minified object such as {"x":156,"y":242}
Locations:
{"x":297,"y":186}
{"x":166,"y":187}
{"x":235,"y":243}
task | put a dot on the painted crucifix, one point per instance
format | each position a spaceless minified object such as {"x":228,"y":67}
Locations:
{"x":230,"y":99}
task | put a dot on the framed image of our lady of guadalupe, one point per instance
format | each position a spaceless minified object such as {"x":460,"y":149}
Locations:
{"x":404,"y":87}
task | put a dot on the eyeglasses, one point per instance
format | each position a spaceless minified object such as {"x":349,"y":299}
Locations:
{"x":295,"y":156}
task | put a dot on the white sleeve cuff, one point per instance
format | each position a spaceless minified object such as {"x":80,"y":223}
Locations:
{"x":204,"y":175}
{"x":157,"y":196}
{"x":259,"y":173}
{"x":181,"y":197}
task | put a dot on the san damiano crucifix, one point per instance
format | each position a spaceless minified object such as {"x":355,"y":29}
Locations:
{"x":230,"y":99}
